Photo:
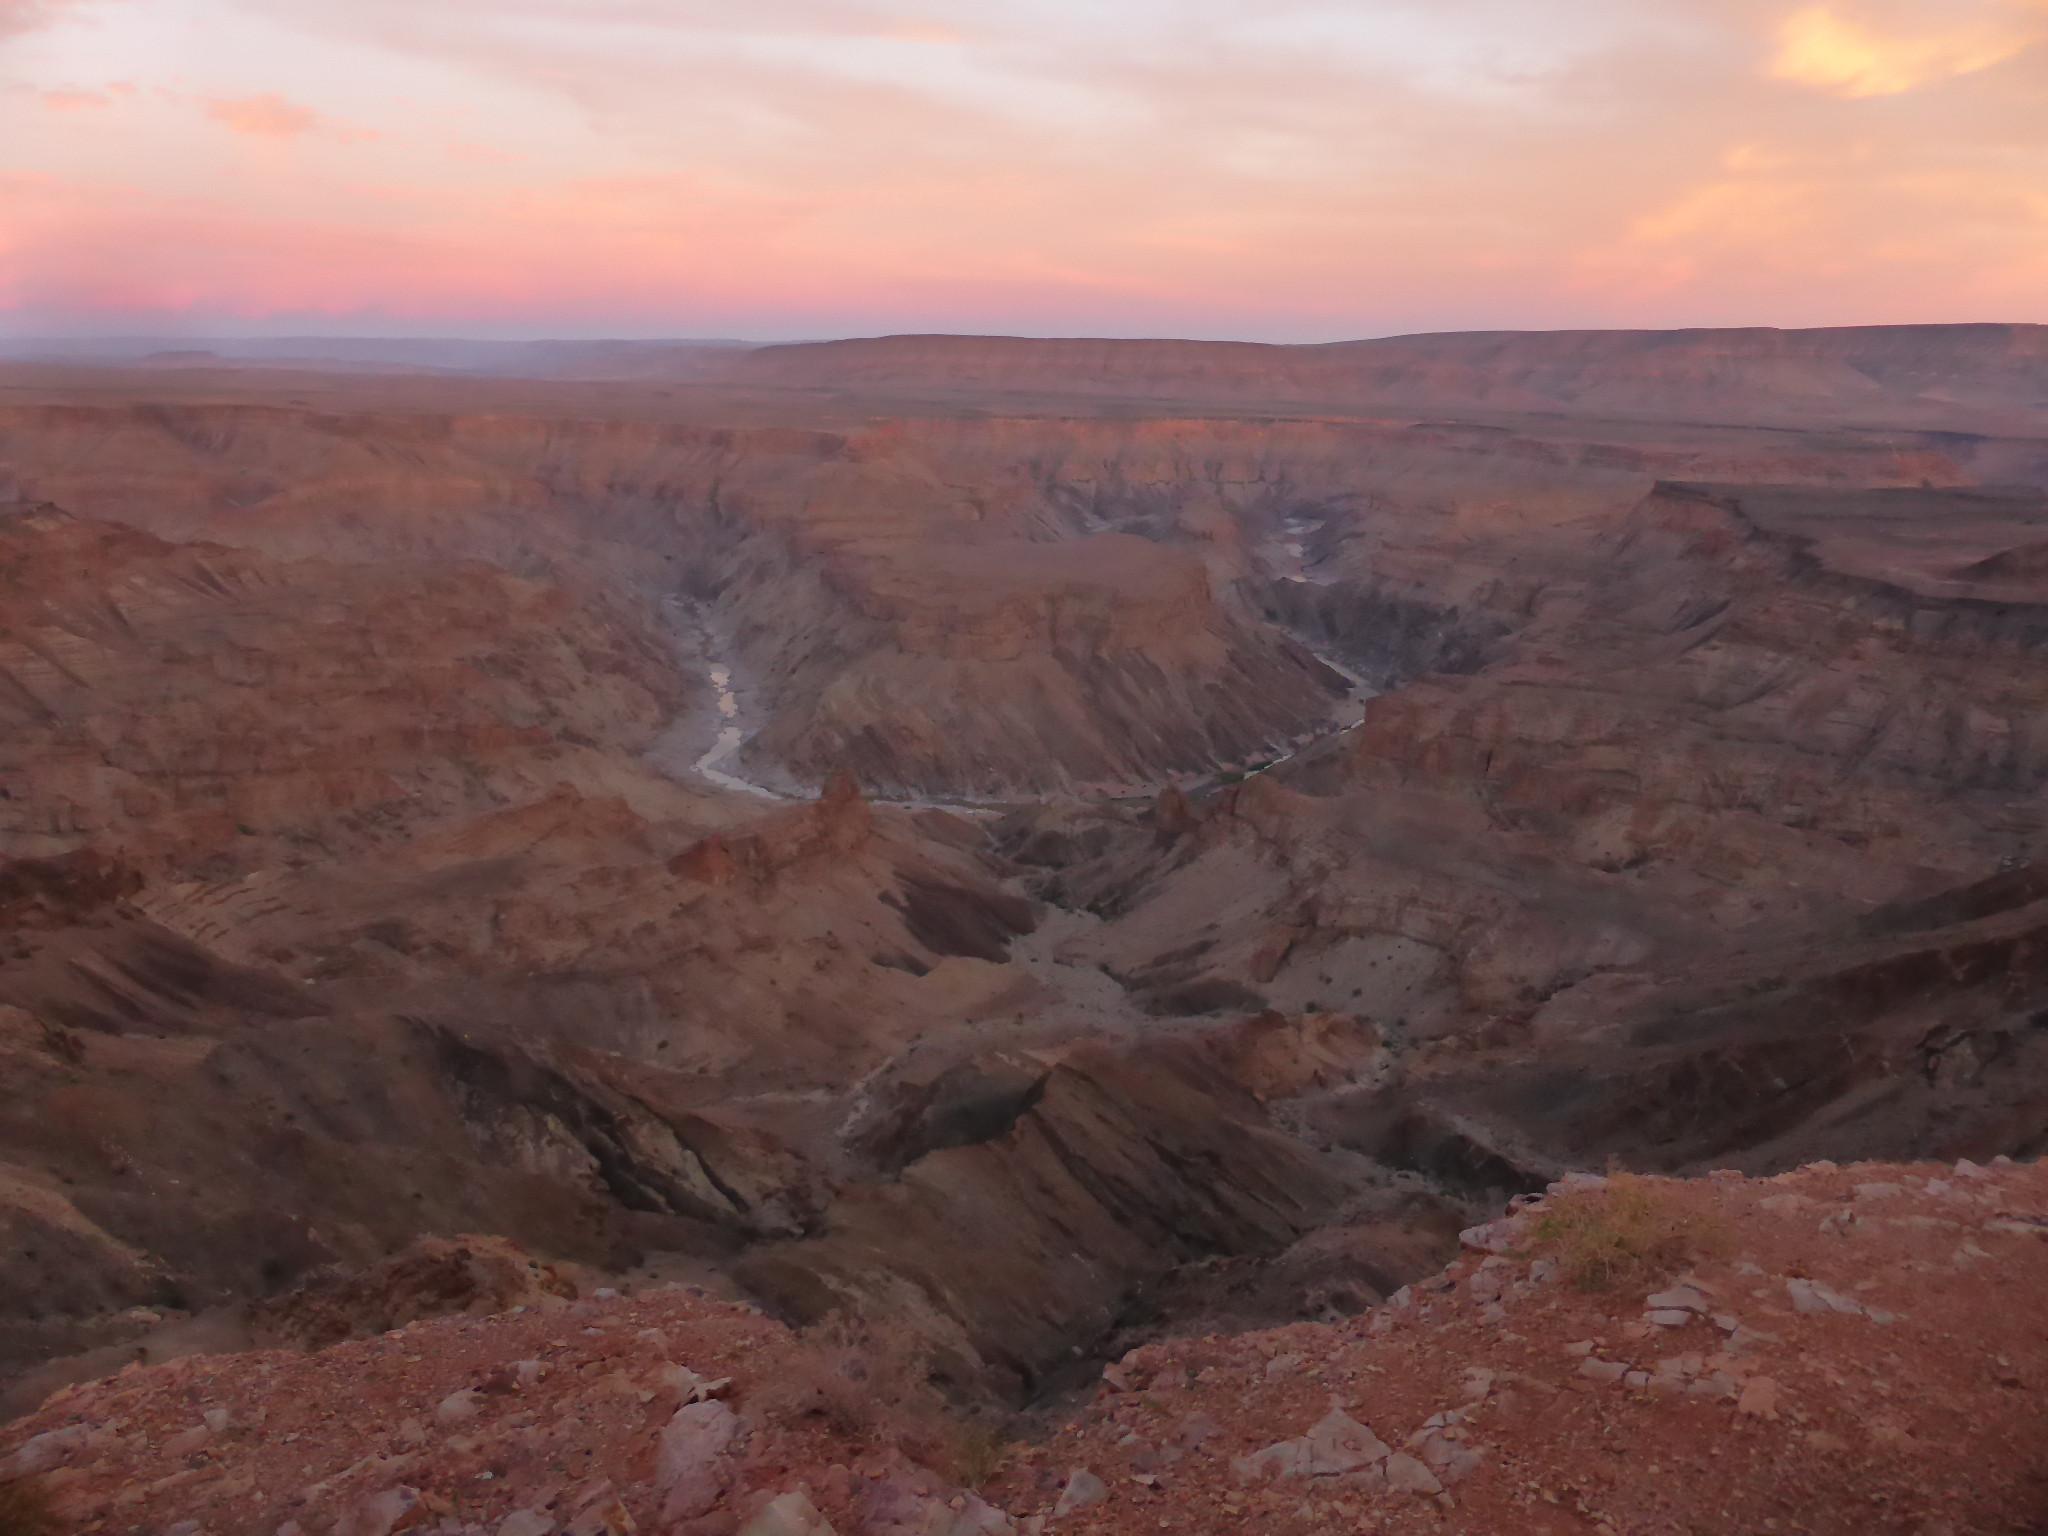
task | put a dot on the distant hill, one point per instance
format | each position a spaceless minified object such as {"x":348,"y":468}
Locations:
{"x":1922,"y":376}
{"x":1977,"y":378}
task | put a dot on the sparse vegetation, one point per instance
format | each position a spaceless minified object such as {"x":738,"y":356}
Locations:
{"x":873,"y":1382}
{"x":977,"y":1452}
{"x":25,"y":1510}
{"x":1632,"y":1231}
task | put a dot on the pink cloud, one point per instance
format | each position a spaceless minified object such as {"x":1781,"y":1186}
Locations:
{"x":268,"y":116}
{"x":19,"y":16}
{"x":683,"y":158}
{"x":75,"y":101}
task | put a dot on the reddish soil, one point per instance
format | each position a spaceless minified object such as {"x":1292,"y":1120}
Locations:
{"x":1871,"y":1354}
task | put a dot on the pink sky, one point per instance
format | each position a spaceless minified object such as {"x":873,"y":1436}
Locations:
{"x":1259,"y":168}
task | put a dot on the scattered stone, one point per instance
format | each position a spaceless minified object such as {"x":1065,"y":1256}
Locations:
{"x":1812,"y":1297}
{"x":1688,"y":1296}
{"x":789,"y":1514}
{"x":458,"y":1407}
{"x":2018,"y":1228}
{"x":380,"y":1514}
{"x":693,"y":1459}
{"x":1083,"y":1489}
{"x":1445,"y":1454}
{"x":1196,"y":1430}
{"x":1759,"y":1399}
{"x":691,"y":1387}
{"x":39,"y":1454}
{"x":1337,"y":1444}
{"x":188,"y":1442}
{"x":1407,"y":1474}
{"x":1492,"y":1236}
{"x":596,"y":1510}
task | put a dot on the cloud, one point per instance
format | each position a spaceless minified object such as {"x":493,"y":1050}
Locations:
{"x":23,"y":16}
{"x":1844,"y":54}
{"x":1300,"y":168}
{"x":268,"y":116}
{"x":75,"y":101}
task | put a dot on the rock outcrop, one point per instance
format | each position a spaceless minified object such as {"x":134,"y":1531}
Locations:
{"x":1837,"y":1349}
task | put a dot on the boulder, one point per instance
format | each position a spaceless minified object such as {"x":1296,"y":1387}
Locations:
{"x":788,"y":1514}
{"x":693,"y":1461}
{"x":1083,"y":1489}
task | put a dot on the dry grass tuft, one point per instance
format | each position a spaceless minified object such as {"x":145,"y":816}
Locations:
{"x":871,"y":1383}
{"x":1632,"y":1232}
{"x":25,"y":1511}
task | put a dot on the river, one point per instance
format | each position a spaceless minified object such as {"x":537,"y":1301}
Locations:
{"x":678,"y":752}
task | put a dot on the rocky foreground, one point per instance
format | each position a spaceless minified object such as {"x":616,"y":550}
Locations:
{"x":1837,"y":1349}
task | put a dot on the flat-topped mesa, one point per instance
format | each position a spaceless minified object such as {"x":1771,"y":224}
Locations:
{"x":1922,"y":375}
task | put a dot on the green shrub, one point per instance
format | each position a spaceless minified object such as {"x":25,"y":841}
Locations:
{"x":1631,"y":1232}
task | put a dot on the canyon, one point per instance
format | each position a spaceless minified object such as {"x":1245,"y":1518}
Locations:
{"x":1064,"y":848}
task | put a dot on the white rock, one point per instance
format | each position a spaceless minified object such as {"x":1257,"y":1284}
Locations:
{"x":38,"y":1454}
{"x":1452,"y":1460}
{"x":789,"y":1514}
{"x":380,"y":1514}
{"x":1491,"y":1237}
{"x":1083,"y":1489}
{"x":691,"y":1387}
{"x":526,"y":1522}
{"x":1680,"y":1298}
{"x":458,"y":1407}
{"x":1339,"y":1444}
{"x":1407,"y":1474}
{"x":692,"y":1462}
{"x":1812,"y":1297}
